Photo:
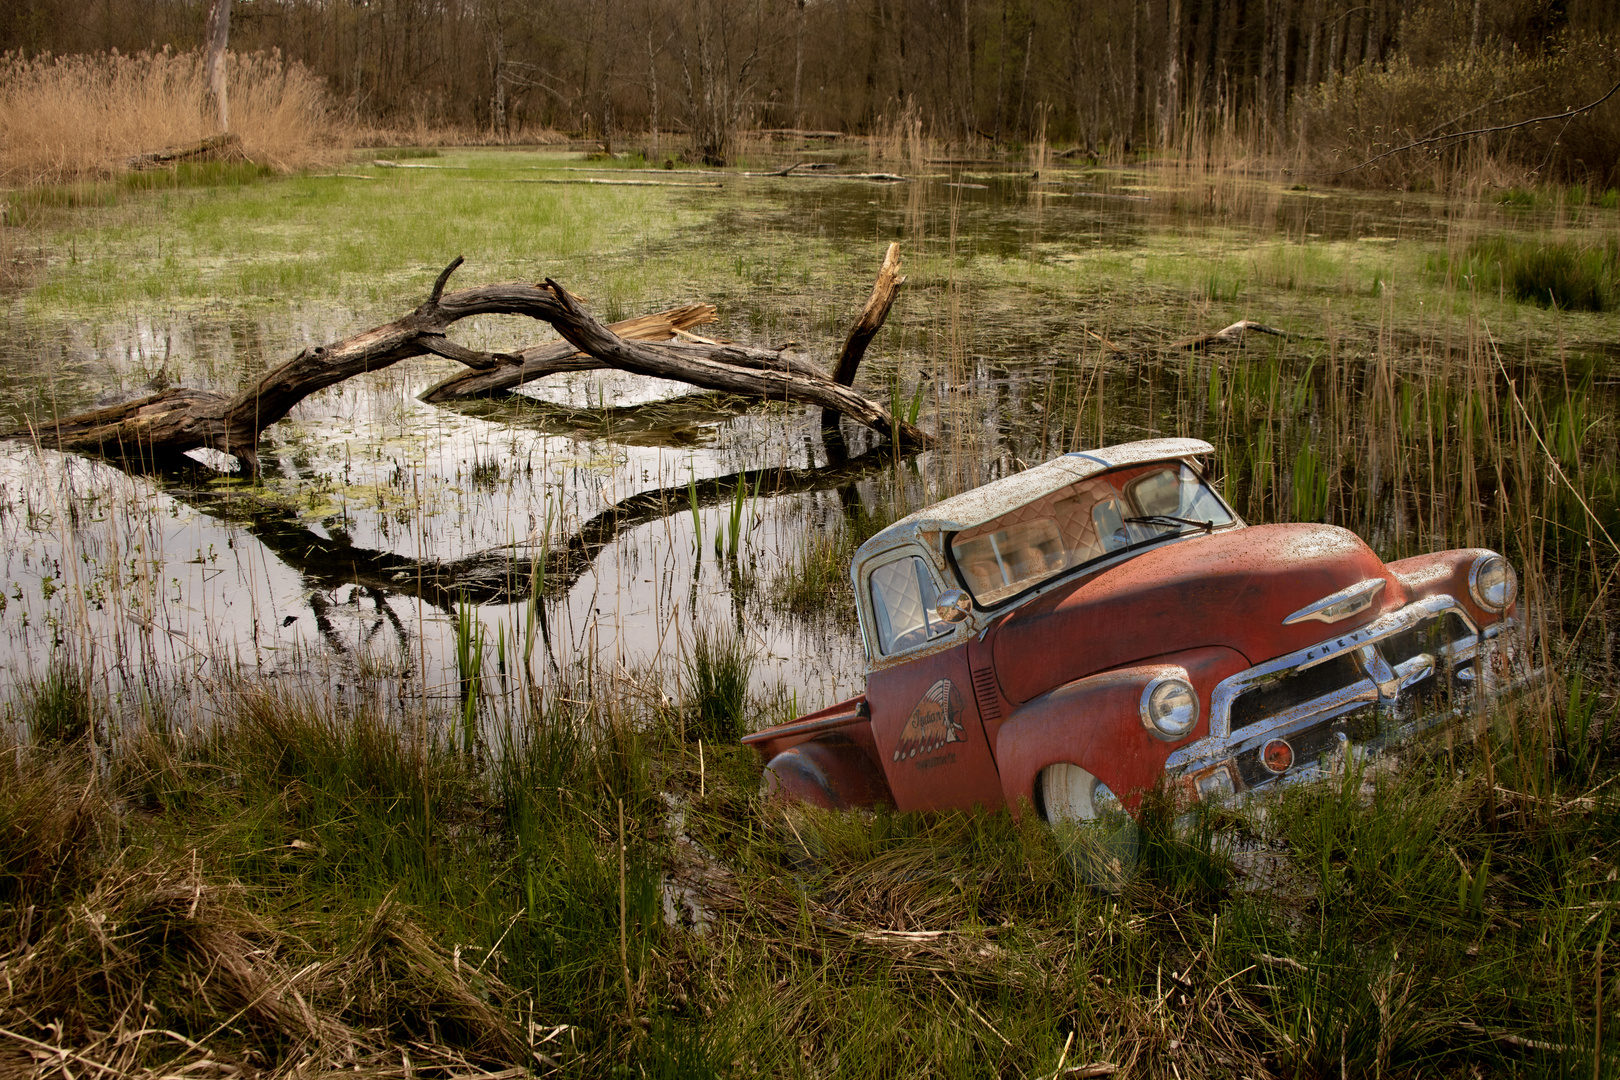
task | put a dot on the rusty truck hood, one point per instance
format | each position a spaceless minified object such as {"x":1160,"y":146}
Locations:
{"x":1229,"y":589}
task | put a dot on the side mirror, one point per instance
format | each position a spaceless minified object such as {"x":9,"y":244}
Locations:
{"x":954,"y":605}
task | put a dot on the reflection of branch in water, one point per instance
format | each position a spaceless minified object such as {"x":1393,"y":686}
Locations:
{"x":323,"y":621}
{"x":500,"y":575}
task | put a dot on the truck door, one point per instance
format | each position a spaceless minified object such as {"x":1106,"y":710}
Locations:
{"x":926,"y":725}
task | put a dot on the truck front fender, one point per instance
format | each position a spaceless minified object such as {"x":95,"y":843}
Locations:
{"x":1096,"y":723}
{"x":1447,"y":572}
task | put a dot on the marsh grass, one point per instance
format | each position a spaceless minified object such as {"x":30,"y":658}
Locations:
{"x":1565,"y":275}
{"x":58,"y":705}
{"x":297,"y":880}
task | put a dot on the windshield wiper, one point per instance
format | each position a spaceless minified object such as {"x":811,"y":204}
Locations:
{"x":1161,"y":519}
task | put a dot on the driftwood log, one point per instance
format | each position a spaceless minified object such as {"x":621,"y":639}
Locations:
{"x":870,"y":321}
{"x":1231,"y":334}
{"x":152,"y":430}
{"x":213,"y":148}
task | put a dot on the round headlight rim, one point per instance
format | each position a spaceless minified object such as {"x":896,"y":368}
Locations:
{"x":1151,"y":722}
{"x":1489,"y":560}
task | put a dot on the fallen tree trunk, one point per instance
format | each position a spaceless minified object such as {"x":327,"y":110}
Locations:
{"x":773,"y":376}
{"x":555,"y":356}
{"x":154,"y":429}
{"x":227,"y":145}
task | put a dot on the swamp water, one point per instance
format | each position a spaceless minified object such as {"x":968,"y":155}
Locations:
{"x":576,"y":528}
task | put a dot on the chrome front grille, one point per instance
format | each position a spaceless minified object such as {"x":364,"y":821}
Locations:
{"x":1348,"y":687}
{"x":1290,"y":688}
{"x":1366,"y":667}
{"x":1376,"y":662}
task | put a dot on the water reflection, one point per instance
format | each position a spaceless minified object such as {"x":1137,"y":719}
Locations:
{"x":377,"y":519}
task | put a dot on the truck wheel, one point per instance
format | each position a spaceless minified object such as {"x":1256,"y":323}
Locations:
{"x":1098,"y":836}
{"x":1070,"y":793}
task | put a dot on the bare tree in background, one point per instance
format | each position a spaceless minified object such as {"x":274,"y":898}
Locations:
{"x":218,"y":30}
{"x":1120,"y":74}
{"x":719,"y":80}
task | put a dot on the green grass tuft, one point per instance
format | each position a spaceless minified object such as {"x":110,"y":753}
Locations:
{"x":58,"y":705}
{"x":718,"y":665}
{"x":1567,"y":276}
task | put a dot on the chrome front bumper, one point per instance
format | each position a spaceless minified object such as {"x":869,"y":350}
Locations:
{"x":1408,"y":672}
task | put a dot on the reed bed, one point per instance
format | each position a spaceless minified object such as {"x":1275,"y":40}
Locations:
{"x":70,"y":118}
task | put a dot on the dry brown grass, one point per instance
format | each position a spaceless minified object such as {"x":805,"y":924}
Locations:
{"x":136,"y":961}
{"x":70,"y":117}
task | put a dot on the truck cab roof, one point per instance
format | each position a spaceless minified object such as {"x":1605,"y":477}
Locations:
{"x":981,"y":505}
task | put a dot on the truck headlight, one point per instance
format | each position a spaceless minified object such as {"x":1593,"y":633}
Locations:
{"x":1493,"y":583}
{"x":1169,"y":708}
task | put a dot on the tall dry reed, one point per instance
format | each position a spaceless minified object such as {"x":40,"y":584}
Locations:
{"x":64,"y":118}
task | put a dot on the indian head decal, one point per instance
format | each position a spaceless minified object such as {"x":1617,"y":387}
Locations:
{"x":934,"y":722}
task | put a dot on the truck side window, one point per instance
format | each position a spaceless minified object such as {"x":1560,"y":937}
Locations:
{"x":903,"y":602}
{"x":1158,"y":493}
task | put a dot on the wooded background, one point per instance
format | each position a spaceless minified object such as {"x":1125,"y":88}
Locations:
{"x":1105,"y":75}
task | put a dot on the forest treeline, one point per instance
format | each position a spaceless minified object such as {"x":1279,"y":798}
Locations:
{"x":1335,"y":78}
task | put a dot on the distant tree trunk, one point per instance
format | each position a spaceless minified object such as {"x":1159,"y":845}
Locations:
{"x":1169,"y":103}
{"x":1282,"y":24}
{"x":1313,"y":31}
{"x":1023,"y":83}
{"x":652,"y":88}
{"x":215,"y":35}
{"x":901,"y":32}
{"x":798,"y":67}
{"x":498,"y":48}
{"x":1209,"y":81}
{"x":1001,"y":75}
{"x":967,"y":37}
{"x":1336,"y":30}
{"x":1131,"y":88}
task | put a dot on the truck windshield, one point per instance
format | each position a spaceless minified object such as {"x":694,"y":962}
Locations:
{"x":1082,"y":523}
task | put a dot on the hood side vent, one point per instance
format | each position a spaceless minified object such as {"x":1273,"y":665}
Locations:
{"x":984,"y":692}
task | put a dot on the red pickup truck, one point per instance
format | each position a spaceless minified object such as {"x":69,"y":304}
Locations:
{"x":1068,"y":637}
